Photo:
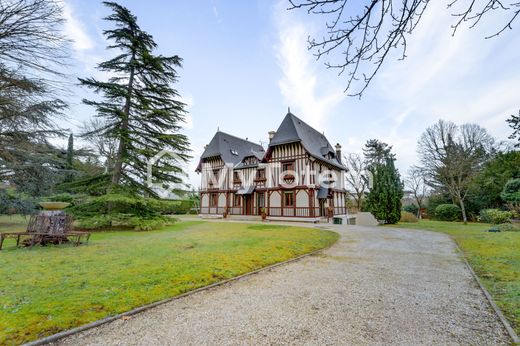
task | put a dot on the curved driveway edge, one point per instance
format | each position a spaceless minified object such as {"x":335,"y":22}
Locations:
{"x":374,"y":286}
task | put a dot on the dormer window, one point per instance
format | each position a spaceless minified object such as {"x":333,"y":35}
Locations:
{"x":236,"y":178}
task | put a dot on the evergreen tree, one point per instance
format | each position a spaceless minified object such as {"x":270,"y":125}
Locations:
{"x":140,"y":108}
{"x":386,"y":190}
{"x":514,"y":123}
{"x":377,"y":152}
{"x":70,"y":151}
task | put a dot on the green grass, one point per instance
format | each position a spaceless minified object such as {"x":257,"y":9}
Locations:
{"x":14,"y":223}
{"x":495,"y":258}
{"x":48,"y":289}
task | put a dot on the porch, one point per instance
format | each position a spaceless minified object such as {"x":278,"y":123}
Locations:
{"x":305,"y":212}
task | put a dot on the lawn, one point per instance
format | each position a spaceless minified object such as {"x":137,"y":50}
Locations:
{"x":14,"y":223}
{"x":49,"y":289}
{"x":495,"y":258}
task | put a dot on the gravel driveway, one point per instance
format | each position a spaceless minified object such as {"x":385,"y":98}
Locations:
{"x":375,"y":286}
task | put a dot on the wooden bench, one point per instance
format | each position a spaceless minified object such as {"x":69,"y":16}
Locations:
{"x":43,"y":229}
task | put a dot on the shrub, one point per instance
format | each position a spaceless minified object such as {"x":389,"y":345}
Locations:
{"x":123,"y":221}
{"x":411,"y":208}
{"x":511,"y":194}
{"x":408,"y":217}
{"x":508,"y":227}
{"x":120,"y":211}
{"x":169,"y":207}
{"x":495,"y":216}
{"x":12,"y":202}
{"x":434,"y":201}
{"x":447,"y":212}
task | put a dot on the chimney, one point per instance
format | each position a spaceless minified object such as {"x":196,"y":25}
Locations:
{"x":338,"y":152}
{"x":271,"y":135}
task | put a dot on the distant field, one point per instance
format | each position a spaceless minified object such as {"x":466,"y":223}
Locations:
{"x":48,"y":289}
{"x":495,"y":258}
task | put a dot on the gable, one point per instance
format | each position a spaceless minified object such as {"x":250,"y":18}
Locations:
{"x":293,"y":129}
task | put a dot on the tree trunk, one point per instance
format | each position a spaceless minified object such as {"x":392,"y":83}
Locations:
{"x":464,"y":218}
{"x":118,"y":165}
{"x":358,"y":202}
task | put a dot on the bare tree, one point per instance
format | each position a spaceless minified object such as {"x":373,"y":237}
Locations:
{"x":96,"y":134}
{"x":354,"y":178}
{"x":31,"y":34}
{"x":31,"y":49}
{"x":365,"y":32}
{"x":452,"y":155}
{"x":415,"y":181}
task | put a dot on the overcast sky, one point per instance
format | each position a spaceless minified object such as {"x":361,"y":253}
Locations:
{"x":245,"y":62}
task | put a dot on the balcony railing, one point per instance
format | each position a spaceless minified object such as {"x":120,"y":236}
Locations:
{"x":274,"y":211}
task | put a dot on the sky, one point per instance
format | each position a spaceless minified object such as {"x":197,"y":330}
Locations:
{"x":246,"y":62}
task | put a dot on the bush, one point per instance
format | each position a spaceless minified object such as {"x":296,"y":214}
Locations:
{"x":447,"y":212}
{"x":123,"y":221}
{"x":434,"y":201}
{"x":120,"y":211}
{"x":495,"y":216}
{"x":511,"y":194}
{"x":511,"y":191}
{"x":169,"y":207}
{"x":408,"y":217}
{"x":411,"y":208}
{"x":508,"y":227}
{"x":12,"y":202}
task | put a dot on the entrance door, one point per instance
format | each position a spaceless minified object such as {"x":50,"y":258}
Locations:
{"x":248,"y":204}
{"x":260,"y":201}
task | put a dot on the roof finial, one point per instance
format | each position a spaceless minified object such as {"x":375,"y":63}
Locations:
{"x":218,"y":128}
{"x":288,"y":109}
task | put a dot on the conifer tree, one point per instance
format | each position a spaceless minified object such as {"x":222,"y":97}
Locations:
{"x":70,"y":151}
{"x":140,"y":108}
{"x":384,"y":198}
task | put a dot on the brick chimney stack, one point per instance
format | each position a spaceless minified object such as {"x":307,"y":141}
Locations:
{"x":338,"y":152}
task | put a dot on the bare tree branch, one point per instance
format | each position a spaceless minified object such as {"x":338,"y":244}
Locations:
{"x":363,"y":36}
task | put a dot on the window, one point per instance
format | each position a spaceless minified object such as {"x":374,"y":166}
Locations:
{"x":213,"y":200}
{"x":260,"y":174}
{"x":236,"y":200}
{"x":236,"y":177}
{"x":288,"y":171}
{"x":288,"y":199}
{"x":288,"y":166}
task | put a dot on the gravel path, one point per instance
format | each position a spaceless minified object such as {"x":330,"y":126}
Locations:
{"x":375,"y":286}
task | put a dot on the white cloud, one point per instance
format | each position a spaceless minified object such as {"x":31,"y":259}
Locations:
{"x":462,"y":78}
{"x":302,"y":88}
{"x":74,"y":29}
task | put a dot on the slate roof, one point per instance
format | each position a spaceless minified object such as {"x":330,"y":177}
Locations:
{"x":293,"y":129}
{"x":231,"y":149}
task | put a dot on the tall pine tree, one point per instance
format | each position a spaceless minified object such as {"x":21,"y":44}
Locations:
{"x":142,"y":111}
{"x":384,"y":198}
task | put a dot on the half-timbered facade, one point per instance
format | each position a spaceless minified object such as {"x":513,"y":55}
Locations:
{"x":298,"y":176}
